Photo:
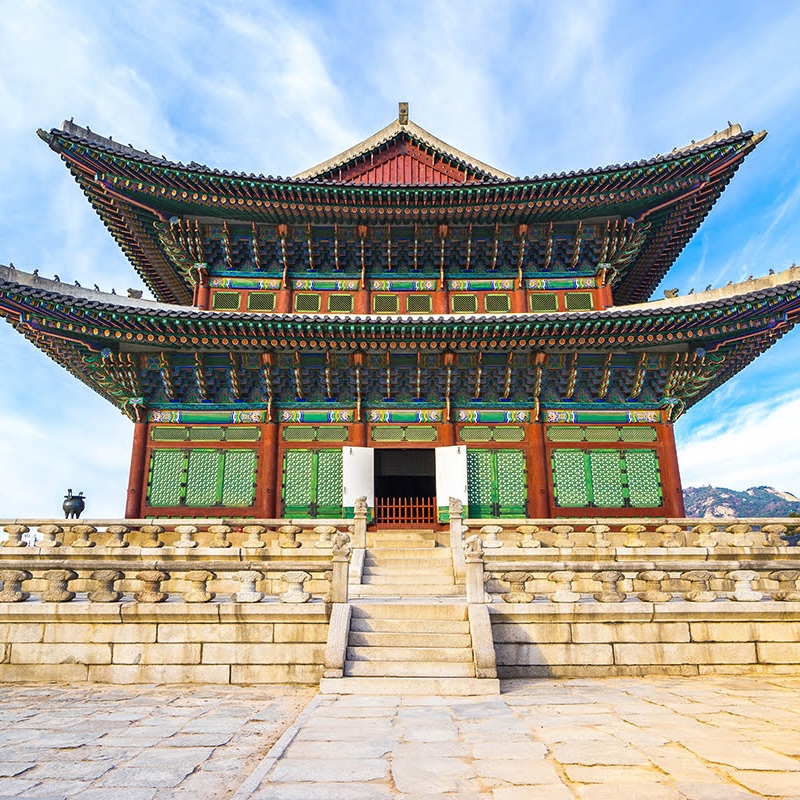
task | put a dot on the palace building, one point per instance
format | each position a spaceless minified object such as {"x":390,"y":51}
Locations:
{"x":404,"y":323}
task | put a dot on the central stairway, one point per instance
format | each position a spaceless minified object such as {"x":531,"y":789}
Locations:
{"x":409,"y":625}
{"x":406,"y":564}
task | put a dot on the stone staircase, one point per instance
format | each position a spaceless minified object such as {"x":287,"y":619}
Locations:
{"x":406,"y":564}
{"x":408,"y":629}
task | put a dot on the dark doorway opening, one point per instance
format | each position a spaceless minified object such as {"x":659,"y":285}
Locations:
{"x":405,"y":487}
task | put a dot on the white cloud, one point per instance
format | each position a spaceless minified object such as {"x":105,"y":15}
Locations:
{"x":758,"y":444}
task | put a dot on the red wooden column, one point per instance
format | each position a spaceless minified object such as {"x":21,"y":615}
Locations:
{"x":138,"y":471}
{"x":202,"y":290}
{"x":268,"y":477}
{"x":670,"y":474}
{"x":538,"y":473}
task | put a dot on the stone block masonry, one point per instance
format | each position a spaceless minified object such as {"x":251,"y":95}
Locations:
{"x":171,"y":642}
{"x":540,"y":640}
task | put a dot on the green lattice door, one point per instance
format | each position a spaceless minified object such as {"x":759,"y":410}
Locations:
{"x":606,"y":478}
{"x":496,"y":483}
{"x":202,"y":478}
{"x":312,"y":483}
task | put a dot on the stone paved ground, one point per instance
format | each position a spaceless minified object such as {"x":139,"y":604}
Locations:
{"x":630,"y":738}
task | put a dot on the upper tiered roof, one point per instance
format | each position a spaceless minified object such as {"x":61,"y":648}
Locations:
{"x":402,"y":176}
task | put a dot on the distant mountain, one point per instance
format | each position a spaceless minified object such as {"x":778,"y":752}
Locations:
{"x":757,"y":501}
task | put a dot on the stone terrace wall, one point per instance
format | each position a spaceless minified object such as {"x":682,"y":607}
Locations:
{"x":175,"y":602}
{"x":171,"y":642}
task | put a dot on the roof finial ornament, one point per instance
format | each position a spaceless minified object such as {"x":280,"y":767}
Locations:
{"x":402,"y":113}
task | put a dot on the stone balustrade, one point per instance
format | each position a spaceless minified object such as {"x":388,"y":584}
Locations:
{"x":109,"y":581}
{"x":187,"y":561}
{"x":183,"y":535}
{"x":636,"y":535}
{"x":702,"y":582}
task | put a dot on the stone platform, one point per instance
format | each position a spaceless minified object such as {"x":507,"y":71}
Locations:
{"x":660,"y":738}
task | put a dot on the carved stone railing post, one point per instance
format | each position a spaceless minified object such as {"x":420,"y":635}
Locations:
{"x":563,"y":581}
{"x":220,"y":534}
{"x":248,"y":593}
{"x":105,"y":592}
{"x":653,"y":580}
{"x":49,"y":533}
{"x":253,"y":540}
{"x":706,"y":535}
{"x":82,"y":537}
{"x":788,"y":590}
{"x":340,"y":578}
{"x":151,"y":534}
{"x":528,"y":540}
{"x":57,"y":589}
{"x":633,"y":533}
{"x":599,"y":536}
{"x":562,"y":540}
{"x":473,"y":558}
{"x":741,"y":534}
{"x":743,"y":585}
{"x":490,"y":534}
{"x":287,"y":536}
{"x":151,"y":588}
{"x":295,"y":587}
{"x":186,"y":533}
{"x":609,"y":582}
{"x":516,"y":591}
{"x":773,"y":534}
{"x":12,"y":585}
{"x":15,"y":535}
{"x":456,"y":516}
{"x":325,"y":532}
{"x":700,"y":591}
{"x":669,"y":535}
{"x":117,"y":535}
{"x":360,"y":512}
{"x":198,"y":586}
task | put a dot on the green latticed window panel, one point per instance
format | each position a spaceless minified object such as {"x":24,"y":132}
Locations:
{"x":329,"y":483}
{"x":606,"y":478}
{"x":479,"y":481}
{"x":239,"y":478}
{"x":512,"y":490}
{"x":312,"y":483}
{"x":569,"y":478}
{"x":496,"y":483}
{"x":605,"y":472}
{"x":202,"y":476}
{"x":298,"y":469}
{"x":644,"y":478}
{"x":165,"y":481}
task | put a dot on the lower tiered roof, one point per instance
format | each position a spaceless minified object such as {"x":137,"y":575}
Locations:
{"x":668,"y":353}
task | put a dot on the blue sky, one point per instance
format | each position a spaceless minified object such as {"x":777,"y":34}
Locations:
{"x":271,"y":87}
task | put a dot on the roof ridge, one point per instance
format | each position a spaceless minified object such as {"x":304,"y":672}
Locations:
{"x":391,"y":131}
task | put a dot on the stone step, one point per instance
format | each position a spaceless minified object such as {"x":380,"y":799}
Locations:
{"x":397,"y":578}
{"x":408,"y":669}
{"x":392,"y":590}
{"x":401,"y":544}
{"x":434,"y":655}
{"x":400,"y":637}
{"x":419,"y":627}
{"x":429,"y":556}
{"x":415,"y":611}
{"x":449,"y":687}
{"x":401,"y":569}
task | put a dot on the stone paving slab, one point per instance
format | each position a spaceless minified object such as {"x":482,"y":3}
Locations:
{"x":670,"y":738}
